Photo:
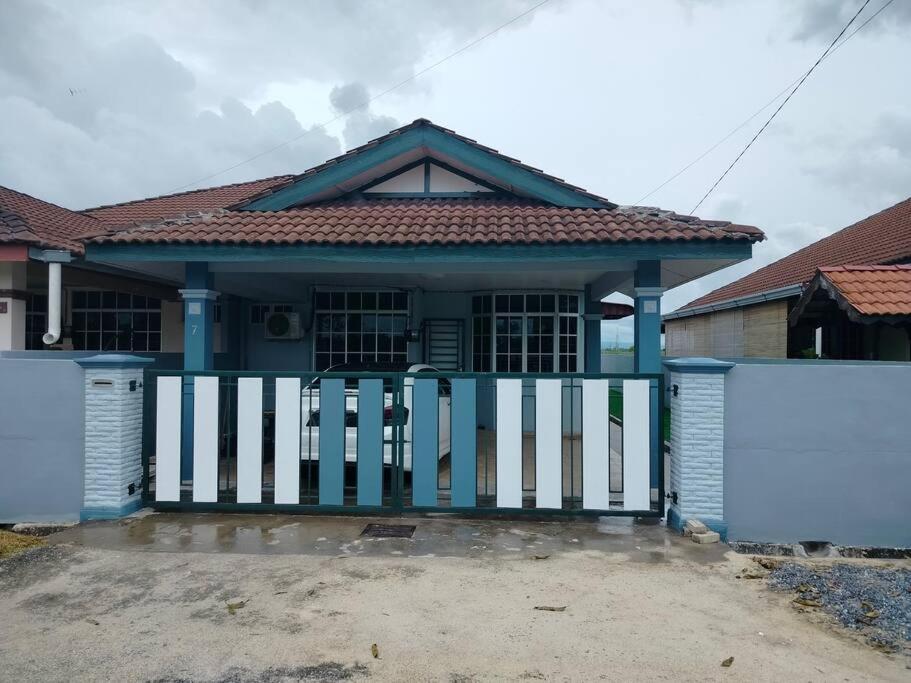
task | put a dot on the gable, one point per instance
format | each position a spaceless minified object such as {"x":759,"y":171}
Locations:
{"x":425,"y":178}
{"x":454,"y":159}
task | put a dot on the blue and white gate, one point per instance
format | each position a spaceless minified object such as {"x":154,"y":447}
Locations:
{"x":576,"y":443}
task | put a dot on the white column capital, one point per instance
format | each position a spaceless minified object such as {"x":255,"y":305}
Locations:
{"x":649,"y":291}
{"x":199,"y":294}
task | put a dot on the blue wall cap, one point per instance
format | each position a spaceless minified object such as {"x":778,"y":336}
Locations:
{"x":114,"y":360}
{"x":701,"y":366}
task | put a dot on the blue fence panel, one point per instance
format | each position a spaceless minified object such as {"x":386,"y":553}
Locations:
{"x":425,"y":445}
{"x":370,"y":442}
{"x":463,"y":459}
{"x":332,"y":441}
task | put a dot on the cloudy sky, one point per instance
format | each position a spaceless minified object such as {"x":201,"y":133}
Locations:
{"x":109,"y":100}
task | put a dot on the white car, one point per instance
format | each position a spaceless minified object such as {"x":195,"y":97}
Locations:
{"x":310,"y":412}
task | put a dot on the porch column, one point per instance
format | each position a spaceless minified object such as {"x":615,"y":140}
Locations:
{"x":592,"y":318}
{"x":12,"y":305}
{"x":198,"y":344}
{"x":647,"y":353}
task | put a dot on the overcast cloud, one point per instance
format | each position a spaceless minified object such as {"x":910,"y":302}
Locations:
{"x":105,"y":100}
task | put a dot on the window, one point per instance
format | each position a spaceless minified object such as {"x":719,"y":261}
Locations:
{"x":115,"y":321}
{"x":525,"y":332}
{"x":35,"y":321}
{"x":351,"y":327}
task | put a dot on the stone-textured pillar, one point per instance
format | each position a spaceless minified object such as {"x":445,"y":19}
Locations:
{"x":12,"y":305}
{"x":696,"y":399}
{"x":113,"y":435}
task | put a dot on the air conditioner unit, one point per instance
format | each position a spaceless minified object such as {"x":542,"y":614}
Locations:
{"x":283,"y":326}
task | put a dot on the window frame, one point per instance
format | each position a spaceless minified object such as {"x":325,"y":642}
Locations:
{"x":117,"y":310}
{"x":556,"y":315}
{"x":346,"y":311}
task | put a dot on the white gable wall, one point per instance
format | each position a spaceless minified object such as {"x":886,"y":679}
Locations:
{"x":441,"y":180}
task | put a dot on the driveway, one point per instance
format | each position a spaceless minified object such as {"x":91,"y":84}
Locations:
{"x":269,"y":598}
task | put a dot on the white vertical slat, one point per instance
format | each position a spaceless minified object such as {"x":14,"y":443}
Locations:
{"x":287,"y":440}
{"x":167,"y":439}
{"x":205,"y":439}
{"x":595,"y":444}
{"x":548,"y":443}
{"x":249,"y":440}
{"x":509,"y":443}
{"x":636,"y":487}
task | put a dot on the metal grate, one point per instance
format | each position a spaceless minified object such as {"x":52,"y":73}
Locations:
{"x":388,"y":530}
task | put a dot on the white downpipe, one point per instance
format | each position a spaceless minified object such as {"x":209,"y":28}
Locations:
{"x":53,"y":304}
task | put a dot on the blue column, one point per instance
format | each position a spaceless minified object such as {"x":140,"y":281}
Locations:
{"x":198,"y":332}
{"x":647,"y":356}
{"x":592,"y":319}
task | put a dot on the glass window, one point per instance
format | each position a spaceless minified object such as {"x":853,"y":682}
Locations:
{"x":115,"y":321}
{"x":352,"y":327}
{"x":35,"y":321}
{"x":525,"y":333}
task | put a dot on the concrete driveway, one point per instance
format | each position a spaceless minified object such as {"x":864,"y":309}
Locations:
{"x":274,"y":598}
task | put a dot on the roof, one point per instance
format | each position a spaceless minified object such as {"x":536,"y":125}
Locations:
{"x":172,"y":205}
{"x":430,"y":221}
{"x":864,"y":291}
{"x":27,"y":220}
{"x":882,"y":238}
{"x":428,"y":125}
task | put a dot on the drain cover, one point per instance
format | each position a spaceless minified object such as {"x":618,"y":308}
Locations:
{"x":388,"y":530}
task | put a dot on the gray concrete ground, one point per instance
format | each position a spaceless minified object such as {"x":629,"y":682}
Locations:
{"x":268,"y":598}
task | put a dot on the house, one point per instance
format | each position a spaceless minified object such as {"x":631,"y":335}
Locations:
{"x":823,"y":300}
{"x":421,"y":246}
{"x":412,"y":238}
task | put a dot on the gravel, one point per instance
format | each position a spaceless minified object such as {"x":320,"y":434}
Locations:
{"x":875,"y":600}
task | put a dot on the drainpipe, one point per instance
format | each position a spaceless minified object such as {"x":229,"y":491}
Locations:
{"x":53,"y":304}
{"x":53,"y":258}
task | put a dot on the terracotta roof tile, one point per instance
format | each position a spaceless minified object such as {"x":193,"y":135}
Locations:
{"x":882,"y":238}
{"x":27,"y":220}
{"x":172,"y":205}
{"x":873,"y":290}
{"x":429,"y":221}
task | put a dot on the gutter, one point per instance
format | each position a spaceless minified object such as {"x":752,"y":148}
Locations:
{"x":770,"y":295}
{"x":53,"y":258}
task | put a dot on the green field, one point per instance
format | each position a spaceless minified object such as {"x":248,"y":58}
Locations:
{"x":616,"y":410}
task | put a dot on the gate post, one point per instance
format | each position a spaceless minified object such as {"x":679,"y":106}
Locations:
{"x":113,"y":435}
{"x":696,"y":401}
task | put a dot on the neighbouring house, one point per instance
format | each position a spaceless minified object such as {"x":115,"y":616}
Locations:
{"x":821,"y":301}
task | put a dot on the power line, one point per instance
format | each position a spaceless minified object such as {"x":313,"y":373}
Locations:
{"x":366,"y":102}
{"x":780,"y":107}
{"x":758,"y":111}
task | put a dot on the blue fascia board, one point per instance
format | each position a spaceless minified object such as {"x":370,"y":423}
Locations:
{"x":507,"y":173}
{"x":431,"y":254}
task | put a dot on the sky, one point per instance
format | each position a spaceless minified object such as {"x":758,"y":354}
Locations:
{"x":110,"y":100}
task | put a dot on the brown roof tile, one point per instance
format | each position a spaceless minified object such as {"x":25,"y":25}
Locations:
{"x":429,"y":221}
{"x":27,"y":220}
{"x":873,"y":290}
{"x":173,"y":205}
{"x":882,"y":238}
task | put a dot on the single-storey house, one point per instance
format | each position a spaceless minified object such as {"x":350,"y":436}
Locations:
{"x":815,"y":302}
{"x":420,"y":247}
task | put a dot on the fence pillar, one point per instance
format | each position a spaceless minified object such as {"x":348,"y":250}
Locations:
{"x":696,"y":398}
{"x":113,"y":435}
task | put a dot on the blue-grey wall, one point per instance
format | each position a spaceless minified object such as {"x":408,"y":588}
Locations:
{"x":41,"y":440}
{"x":818,"y":452}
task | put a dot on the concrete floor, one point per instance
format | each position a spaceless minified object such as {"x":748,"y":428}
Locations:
{"x":148,"y":599}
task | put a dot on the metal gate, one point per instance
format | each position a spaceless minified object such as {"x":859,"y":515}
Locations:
{"x":396,"y":442}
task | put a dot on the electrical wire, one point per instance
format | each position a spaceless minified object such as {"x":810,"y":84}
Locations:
{"x":780,"y":107}
{"x":366,"y":102}
{"x":758,"y":111}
